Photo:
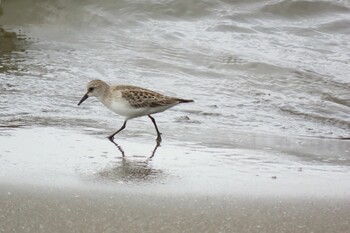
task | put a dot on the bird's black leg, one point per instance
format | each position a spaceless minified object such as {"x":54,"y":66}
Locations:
{"x":159,"y":138}
{"x":112,"y":135}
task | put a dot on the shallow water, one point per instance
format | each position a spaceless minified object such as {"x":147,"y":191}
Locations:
{"x":57,"y":158}
{"x":269,"y":79}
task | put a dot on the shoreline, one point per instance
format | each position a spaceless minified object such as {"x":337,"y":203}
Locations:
{"x":61,"y":180}
{"x":56,"y":157}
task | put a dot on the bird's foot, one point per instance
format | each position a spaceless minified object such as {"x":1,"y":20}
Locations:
{"x":111,"y":138}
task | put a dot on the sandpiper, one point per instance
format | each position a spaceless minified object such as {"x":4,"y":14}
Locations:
{"x":130,"y":102}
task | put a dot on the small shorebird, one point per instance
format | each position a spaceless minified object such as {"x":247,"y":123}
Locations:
{"x":130,"y":102}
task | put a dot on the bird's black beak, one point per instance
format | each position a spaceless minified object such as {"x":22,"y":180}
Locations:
{"x":83,"y":99}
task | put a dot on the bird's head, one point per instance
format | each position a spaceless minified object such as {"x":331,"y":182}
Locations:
{"x":95,"y":88}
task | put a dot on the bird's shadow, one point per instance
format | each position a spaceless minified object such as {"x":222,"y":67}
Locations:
{"x":121,"y":150}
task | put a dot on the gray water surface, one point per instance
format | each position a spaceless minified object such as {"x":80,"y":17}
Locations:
{"x":275,"y":67}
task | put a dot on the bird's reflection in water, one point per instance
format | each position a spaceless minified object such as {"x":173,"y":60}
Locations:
{"x":129,"y":169}
{"x":123,"y":153}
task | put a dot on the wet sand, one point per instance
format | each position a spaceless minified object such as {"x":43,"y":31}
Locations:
{"x":59,"y":180}
{"x":39,"y":209}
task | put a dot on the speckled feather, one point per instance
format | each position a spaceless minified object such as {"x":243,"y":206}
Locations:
{"x":141,"y":97}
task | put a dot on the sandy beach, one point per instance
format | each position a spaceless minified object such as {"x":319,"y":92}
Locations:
{"x":40,"y":209}
{"x":61,"y":180}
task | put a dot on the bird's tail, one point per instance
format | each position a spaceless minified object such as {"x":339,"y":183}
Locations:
{"x":185,"y":101}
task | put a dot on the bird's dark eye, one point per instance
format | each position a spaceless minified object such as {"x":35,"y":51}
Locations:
{"x":90,"y":89}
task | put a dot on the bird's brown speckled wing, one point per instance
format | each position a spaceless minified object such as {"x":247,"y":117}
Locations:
{"x":141,"y":98}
